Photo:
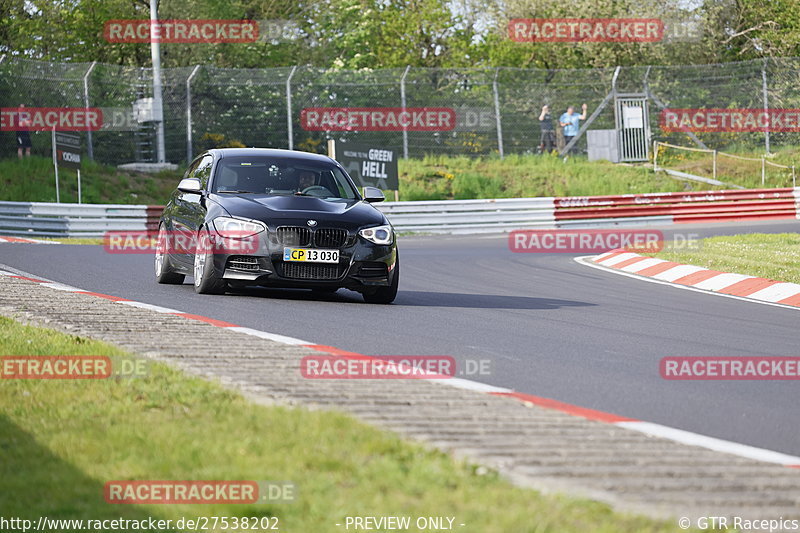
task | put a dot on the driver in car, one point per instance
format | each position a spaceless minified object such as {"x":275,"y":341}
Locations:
{"x":305,"y":180}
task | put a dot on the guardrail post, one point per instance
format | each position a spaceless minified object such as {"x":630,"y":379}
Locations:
{"x":289,"y":123}
{"x":403,"y":106}
{"x":189,"y":114}
{"x":793,"y":180}
{"x":763,"y":170}
{"x":497,"y":114}
{"x":89,"y":144}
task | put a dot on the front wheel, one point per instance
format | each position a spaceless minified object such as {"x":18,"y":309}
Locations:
{"x":205,"y":279}
{"x":385,"y":295}
{"x":164,"y":273}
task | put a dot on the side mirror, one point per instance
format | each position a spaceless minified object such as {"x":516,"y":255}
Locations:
{"x":373,"y":194}
{"x":191,"y":185}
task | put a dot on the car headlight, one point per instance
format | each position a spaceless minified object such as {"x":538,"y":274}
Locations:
{"x":378,"y":234}
{"x":237,"y":229}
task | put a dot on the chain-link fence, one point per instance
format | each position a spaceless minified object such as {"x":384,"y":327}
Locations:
{"x":496,"y":110}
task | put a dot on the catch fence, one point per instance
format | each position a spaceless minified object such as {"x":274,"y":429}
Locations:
{"x":496,"y":109}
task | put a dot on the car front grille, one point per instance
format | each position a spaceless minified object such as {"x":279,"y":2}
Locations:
{"x":293,"y":236}
{"x":300,"y":270}
{"x":321,"y":237}
{"x":243,"y":262}
{"x":330,"y":237}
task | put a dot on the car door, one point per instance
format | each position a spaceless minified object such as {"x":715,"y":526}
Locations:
{"x":190,"y":211}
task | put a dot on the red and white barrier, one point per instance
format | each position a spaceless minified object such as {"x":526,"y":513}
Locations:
{"x":678,"y":208}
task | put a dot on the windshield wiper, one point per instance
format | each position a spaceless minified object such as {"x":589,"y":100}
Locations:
{"x":236,"y":192}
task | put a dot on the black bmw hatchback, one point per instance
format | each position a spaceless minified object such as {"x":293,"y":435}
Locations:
{"x":277,"y":218}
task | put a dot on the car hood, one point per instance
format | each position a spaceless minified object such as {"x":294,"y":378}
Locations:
{"x":278,"y":210}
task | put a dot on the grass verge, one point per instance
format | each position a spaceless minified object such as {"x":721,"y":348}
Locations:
{"x":61,"y":440}
{"x":33,"y":180}
{"x":772,"y":255}
{"x":520,"y":176}
{"x":430,"y":178}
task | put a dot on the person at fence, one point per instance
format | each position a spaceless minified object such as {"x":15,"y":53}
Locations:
{"x":24,"y":138}
{"x":572,"y":124}
{"x":547,"y":140}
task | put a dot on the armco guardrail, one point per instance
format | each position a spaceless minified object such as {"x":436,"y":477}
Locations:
{"x":470,"y":216}
{"x":450,"y":216}
{"x":676,"y":207}
{"x":74,"y":220}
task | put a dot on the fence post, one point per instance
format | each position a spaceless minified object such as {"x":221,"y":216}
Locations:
{"x":714,"y":171}
{"x":189,"y":114}
{"x":497,"y":115}
{"x":655,"y":156}
{"x":763,"y":170}
{"x":403,"y":106}
{"x":289,"y":123}
{"x":766,"y":101}
{"x":90,"y":145}
{"x":794,"y":182}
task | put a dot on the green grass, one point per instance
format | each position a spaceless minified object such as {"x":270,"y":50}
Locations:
{"x":61,"y":440}
{"x":735,"y":171}
{"x":518,"y":176}
{"x":430,"y":178}
{"x":774,"y":256}
{"x":33,"y":180}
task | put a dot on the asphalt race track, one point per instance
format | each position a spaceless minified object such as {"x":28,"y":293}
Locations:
{"x":550,"y":326}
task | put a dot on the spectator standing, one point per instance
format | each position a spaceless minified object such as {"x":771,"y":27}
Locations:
{"x":23,"y":137}
{"x":572,"y":124}
{"x":547,"y":139}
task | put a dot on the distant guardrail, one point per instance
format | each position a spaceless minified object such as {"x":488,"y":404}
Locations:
{"x":75,"y":220}
{"x":449,"y":216}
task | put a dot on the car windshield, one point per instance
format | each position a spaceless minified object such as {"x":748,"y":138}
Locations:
{"x":281,"y":176}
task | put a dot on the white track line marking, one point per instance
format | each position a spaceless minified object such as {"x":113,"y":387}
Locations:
{"x":151,"y":307}
{"x":62,"y":287}
{"x":468,"y":384}
{"x":270,"y":336}
{"x":711,"y":443}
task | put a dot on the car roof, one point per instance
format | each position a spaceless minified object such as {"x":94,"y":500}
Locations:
{"x":222,"y":153}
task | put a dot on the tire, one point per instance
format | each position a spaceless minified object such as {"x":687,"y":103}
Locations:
{"x":164,"y":273}
{"x":385,"y":295}
{"x":206,"y":280}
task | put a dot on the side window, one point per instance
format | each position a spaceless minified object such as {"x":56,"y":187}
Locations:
{"x":203,"y":171}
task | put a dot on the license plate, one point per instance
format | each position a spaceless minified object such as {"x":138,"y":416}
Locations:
{"x":311,"y":255}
